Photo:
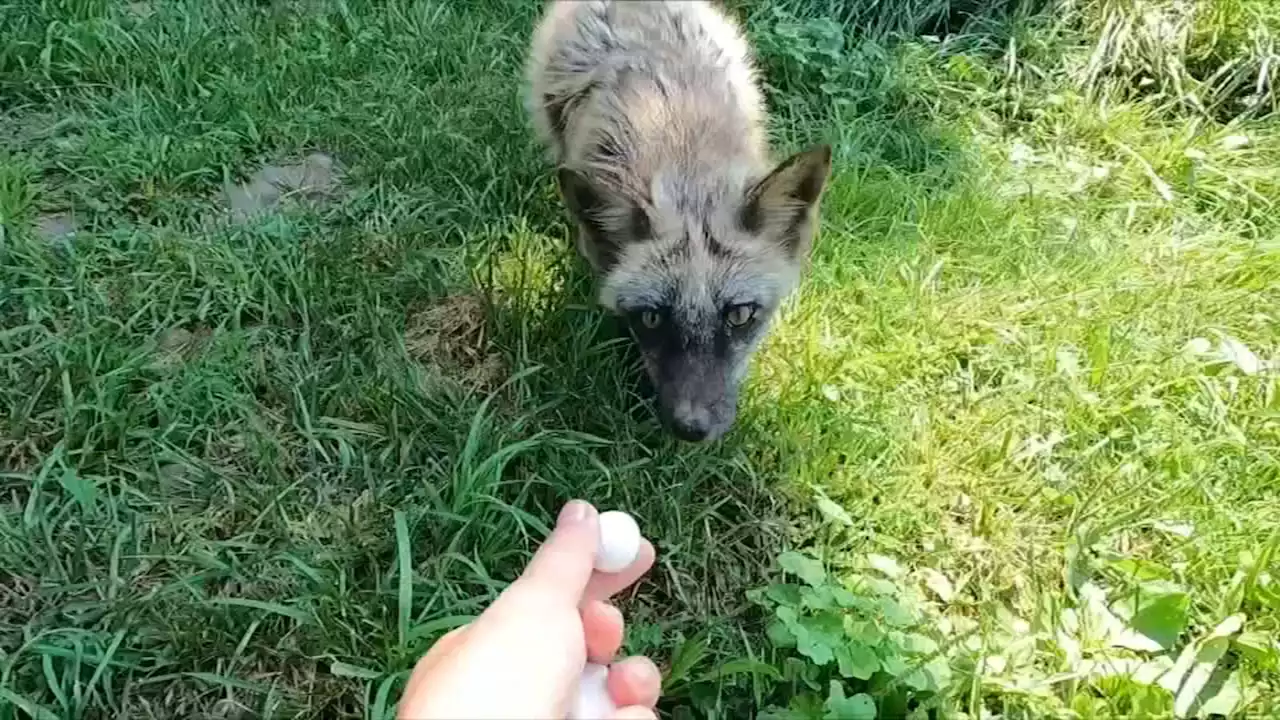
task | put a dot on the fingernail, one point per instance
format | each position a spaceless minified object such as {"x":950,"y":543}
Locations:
{"x":647,"y":671}
{"x":615,"y":615}
{"x":576,"y":511}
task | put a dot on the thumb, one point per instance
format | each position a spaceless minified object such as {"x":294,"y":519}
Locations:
{"x":561,"y":568}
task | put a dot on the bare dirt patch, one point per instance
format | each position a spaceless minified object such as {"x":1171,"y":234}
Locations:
{"x":315,"y":179}
{"x":139,"y":10}
{"x":19,"y":603}
{"x":178,"y":346}
{"x":20,"y":452}
{"x":56,"y":227}
{"x":451,"y":338}
{"x":23,"y":127}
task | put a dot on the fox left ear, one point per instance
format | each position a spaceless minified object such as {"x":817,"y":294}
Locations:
{"x":608,"y":220}
{"x":782,"y":204}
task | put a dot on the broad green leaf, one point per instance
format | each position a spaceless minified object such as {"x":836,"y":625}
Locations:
{"x":830,"y":623}
{"x":854,"y":707}
{"x":784,"y":594}
{"x":384,"y":703}
{"x":933,"y":677}
{"x":1094,"y":624}
{"x":864,"y":631}
{"x":794,"y":669}
{"x":894,"y":613}
{"x":804,"y":567}
{"x":827,"y":627}
{"x":780,"y":635}
{"x":919,"y":644}
{"x":813,"y":646}
{"x":892,"y":664}
{"x":818,"y":598}
{"x":863,"y":604}
{"x":787,"y":614}
{"x":82,"y":489}
{"x":856,"y":660}
{"x":844,"y":598}
{"x":806,"y":706}
{"x":1162,"y":618}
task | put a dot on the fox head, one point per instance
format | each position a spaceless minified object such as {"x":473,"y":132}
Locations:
{"x":697,"y":272}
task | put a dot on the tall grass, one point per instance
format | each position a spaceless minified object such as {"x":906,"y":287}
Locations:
{"x":1220,"y":59}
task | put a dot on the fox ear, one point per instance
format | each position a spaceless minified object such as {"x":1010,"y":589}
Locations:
{"x":582,"y":198}
{"x":606,"y":220}
{"x":782,"y":204}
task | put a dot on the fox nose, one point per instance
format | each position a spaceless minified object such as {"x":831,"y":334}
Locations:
{"x":691,"y":423}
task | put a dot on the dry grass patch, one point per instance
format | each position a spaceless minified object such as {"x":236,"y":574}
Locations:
{"x":450,"y":338}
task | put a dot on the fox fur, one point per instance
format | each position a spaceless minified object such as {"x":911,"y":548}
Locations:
{"x":653,"y":113}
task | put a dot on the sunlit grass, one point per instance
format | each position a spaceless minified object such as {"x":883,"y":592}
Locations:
{"x":219,"y":444}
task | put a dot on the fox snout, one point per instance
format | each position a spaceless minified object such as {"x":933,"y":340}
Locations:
{"x":694,"y":422}
{"x":697,"y":397}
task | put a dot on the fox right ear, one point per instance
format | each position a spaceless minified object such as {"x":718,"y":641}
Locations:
{"x":782,"y":204}
{"x":607,"y":221}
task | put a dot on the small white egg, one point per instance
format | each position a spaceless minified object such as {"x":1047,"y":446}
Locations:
{"x":592,"y":701}
{"x":619,"y":541}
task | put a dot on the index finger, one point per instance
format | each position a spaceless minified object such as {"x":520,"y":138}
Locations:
{"x":603,"y":586}
{"x":562,"y":567}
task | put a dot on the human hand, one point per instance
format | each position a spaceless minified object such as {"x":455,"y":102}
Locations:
{"x":524,"y":655}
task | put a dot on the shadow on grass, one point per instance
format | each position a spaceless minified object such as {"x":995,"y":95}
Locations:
{"x":908,"y":18}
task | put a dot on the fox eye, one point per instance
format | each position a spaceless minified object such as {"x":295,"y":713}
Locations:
{"x":650,"y":319}
{"x":739,"y":315}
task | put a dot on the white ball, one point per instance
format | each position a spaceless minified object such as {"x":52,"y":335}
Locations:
{"x":619,"y":541}
{"x":592,"y":701}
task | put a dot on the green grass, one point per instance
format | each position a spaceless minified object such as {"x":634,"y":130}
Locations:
{"x":222,"y":446}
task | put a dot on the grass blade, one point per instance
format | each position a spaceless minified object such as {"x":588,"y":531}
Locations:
{"x":298,"y":614}
{"x":342,"y":669}
{"x":104,"y":663}
{"x":404,"y":570}
{"x":35,"y":711}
